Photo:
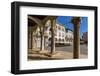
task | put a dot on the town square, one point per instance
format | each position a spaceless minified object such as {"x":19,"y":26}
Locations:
{"x":57,"y":37}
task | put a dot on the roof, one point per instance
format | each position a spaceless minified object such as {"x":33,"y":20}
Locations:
{"x":68,"y":29}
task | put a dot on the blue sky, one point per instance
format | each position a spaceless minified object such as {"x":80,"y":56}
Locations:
{"x":66,"y":21}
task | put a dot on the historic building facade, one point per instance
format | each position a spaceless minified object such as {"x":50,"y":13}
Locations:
{"x":69,"y":36}
{"x":63,"y":36}
{"x":85,"y":37}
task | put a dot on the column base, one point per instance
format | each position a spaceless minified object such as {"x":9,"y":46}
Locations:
{"x":51,"y":54}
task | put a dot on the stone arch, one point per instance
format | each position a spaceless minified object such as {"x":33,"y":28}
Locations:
{"x":36,"y":20}
{"x":36,"y":23}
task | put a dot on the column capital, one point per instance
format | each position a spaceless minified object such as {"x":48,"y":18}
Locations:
{"x":76,"y":20}
{"x":52,"y":17}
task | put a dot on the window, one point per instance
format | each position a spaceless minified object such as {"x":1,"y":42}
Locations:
{"x":56,"y":26}
{"x":63,"y":40}
{"x":55,"y":34}
{"x":62,"y":34}
{"x":59,"y":34}
{"x":49,"y":39}
{"x":49,"y":32}
{"x":62,"y":29}
{"x":55,"y":39}
{"x":59,"y":40}
{"x":59,"y":27}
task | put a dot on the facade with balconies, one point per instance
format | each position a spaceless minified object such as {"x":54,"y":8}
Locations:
{"x":63,"y":36}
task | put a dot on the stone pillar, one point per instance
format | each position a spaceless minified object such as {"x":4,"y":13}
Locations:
{"x":42,"y":39}
{"x":53,"y":23}
{"x":76,"y":42}
{"x":33,"y":43}
{"x":31,"y":39}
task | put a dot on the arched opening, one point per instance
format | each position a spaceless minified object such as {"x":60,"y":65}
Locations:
{"x":36,"y":29}
{"x":32,"y":36}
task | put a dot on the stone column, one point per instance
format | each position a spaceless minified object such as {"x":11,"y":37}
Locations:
{"x":33,"y":44}
{"x":42,"y":39}
{"x":53,"y":23}
{"x":76,"y":42}
{"x":31,"y":39}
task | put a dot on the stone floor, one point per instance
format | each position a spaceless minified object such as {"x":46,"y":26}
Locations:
{"x":45,"y":55}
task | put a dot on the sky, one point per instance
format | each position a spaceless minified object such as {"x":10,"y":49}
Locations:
{"x":66,"y":21}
